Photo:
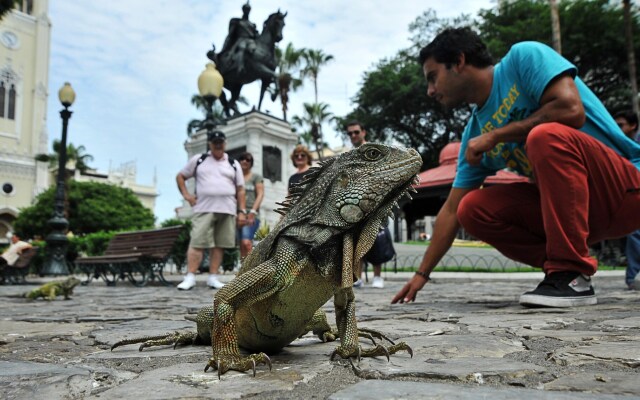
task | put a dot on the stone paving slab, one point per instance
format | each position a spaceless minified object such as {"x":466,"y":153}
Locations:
{"x":469,"y":336}
{"x":423,"y":391}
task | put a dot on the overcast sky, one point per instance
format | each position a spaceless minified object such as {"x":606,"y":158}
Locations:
{"x":134,"y":66}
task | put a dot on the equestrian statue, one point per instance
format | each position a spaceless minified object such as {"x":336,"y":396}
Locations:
{"x":247,"y":56}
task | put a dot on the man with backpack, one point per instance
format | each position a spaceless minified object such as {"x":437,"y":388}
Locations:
{"x":219,"y":194}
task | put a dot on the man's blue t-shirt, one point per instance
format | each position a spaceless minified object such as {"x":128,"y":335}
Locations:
{"x":518,"y":83}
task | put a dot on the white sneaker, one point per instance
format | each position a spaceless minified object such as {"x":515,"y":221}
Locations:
{"x":214,"y":283}
{"x":358,"y":283}
{"x":377,"y":282}
{"x":188,"y":283}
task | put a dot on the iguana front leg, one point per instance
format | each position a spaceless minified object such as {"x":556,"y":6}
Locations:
{"x":320,"y":327}
{"x":344,"y":301}
{"x":255,"y":285}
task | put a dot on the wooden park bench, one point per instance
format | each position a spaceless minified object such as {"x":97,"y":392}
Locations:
{"x":17,"y":272}
{"x":139,"y":256}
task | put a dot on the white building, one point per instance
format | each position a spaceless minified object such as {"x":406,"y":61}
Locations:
{"x":24,"y":68}
{"x":25,"y":36}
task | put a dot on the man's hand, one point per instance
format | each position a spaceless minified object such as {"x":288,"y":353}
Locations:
{"x":408,"y":293}
{"x":191,"y":199}
{"x":477,"y":147}
{"x":242,"y":219}
{"x":251,"y":219}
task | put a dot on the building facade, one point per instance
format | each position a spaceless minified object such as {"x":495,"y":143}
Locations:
{"x":25,"y":36}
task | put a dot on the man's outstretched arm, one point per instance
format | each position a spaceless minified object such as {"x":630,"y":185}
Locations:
{"x":444,"y":232}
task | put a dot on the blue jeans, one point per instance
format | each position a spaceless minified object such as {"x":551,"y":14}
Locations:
{"x":248,"y":231}
{"x":633,"y":256}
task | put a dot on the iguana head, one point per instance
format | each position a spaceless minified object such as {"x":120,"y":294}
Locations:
{"x":348,"y":189}
{"x":71,"y":282}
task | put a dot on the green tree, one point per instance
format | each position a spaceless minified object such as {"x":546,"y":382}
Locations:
{"x":6,"y":6}
{"x":315,"y":115}
{"x":92,"y":207}
{"x":393,"y":104}
{"x":288,"y":66}
{"x":593,"y":38}
{"x":314,"y":61}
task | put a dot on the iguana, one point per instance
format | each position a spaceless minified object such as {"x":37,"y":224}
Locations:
{"x":53,"y":289}
{"x":330,"y":221}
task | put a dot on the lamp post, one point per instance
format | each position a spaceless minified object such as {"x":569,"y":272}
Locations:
{"x":57,"y":241}
{"x":210,"y":85}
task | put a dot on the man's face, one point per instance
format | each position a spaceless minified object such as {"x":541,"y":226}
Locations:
{"x":217,"y":148}
{"x":356,"y":134}
{"x":627,"y":128}
{"x":15,"y":239}
{"x":444,"y":84}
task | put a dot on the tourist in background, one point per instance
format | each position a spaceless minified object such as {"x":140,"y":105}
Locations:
{"x":254,"y":194}
{"x":301,"y":159}
{"x":628,"y":122}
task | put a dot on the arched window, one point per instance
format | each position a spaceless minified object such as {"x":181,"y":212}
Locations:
{"x":11,"y":114}
{"x":8,"y":93}
{"x":26,"y":6}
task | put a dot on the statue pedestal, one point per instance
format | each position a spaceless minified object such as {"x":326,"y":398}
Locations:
{"x":270,"y":141}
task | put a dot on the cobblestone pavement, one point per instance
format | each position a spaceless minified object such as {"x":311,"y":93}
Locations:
{"x":470,"y":339}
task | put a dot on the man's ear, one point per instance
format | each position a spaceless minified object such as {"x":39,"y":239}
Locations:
{"x":462,"y":62}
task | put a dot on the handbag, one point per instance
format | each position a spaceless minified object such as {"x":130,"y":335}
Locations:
{"x":382,"y":250}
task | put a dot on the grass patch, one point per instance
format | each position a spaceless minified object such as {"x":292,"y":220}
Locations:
{"x":456,"y":243}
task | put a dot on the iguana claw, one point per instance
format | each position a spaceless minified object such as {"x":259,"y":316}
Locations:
{"x":376,"y":351}
{"x":237,"y":363}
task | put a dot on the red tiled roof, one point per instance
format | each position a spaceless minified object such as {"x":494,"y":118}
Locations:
{"x":443,"y":174}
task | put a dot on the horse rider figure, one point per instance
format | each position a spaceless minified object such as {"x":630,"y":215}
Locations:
{"x":241,"y":39}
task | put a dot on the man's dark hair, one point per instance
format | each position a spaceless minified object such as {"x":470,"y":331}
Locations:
{"x":629,"y":116}
{"x":447,"y":47}
{"x":354,"y":122}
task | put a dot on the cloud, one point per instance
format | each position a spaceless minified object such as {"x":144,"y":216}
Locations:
{"x":134,"y":66}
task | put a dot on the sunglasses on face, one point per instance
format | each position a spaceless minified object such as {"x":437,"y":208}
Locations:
{"x":245,"y":159}
{"x":300,"y":155}
{"x":351,"y":133}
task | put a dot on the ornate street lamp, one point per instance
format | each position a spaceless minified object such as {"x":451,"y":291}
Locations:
{"x":57,"y":242}
{"x":210,"y":85}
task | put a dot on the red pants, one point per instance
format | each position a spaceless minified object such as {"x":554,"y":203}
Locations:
{"x":584,"y":192}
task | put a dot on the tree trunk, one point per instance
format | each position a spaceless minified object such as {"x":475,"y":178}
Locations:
{"x":555,"y":26}
{"x":631,"y":57}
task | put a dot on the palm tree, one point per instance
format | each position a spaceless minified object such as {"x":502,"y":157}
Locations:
{"x":555,"y":26}
{"x":314,"y":59}
{"x":311,"y":122}
{"x":201,"y":104}
{"x":628,"y":33}
{"x":6,"y":6}
{"x":288,"y":65}
{"x":77,"y":155}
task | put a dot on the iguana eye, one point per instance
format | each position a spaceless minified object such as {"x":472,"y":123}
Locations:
{"x":372,"y":154}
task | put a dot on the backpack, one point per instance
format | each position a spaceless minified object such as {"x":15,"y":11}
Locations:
{"x":382,"y":249}
{"x":231,"y":160}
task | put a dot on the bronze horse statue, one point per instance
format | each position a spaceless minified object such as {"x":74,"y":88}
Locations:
{"x":250,"y":60}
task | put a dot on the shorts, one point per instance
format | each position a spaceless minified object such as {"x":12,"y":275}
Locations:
{"x":213,"y":230}
{"x":247,"y":232}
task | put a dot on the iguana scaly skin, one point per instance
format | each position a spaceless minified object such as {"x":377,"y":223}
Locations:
{"x":53,"y":289}
{"x":330,"y":222}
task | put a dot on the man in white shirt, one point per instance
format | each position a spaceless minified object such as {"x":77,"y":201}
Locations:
{"x":11,"y":255}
